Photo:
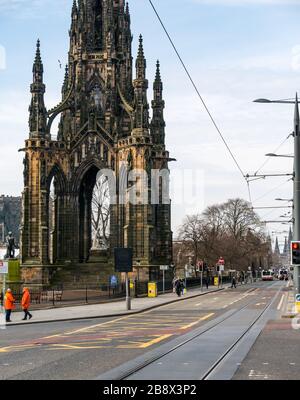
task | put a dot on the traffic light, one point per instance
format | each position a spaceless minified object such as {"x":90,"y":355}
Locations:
{"x":295,"y":253}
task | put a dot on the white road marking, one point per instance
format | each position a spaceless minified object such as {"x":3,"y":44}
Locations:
{"x":257,"y":374}
{"x":281,"y":302}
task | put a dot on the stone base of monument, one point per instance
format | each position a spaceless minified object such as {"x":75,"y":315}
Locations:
{"x":98,"y":256}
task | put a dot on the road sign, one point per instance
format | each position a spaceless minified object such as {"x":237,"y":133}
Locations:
{"x":221,"y":268}
{"x":123,"y":260}
{"x":3,"y":267}
{"x":221,"y":261}
{"x":113,"y":281}
{"x":164,"y":267}
{"x":297,"y":303}
{"x":200,"y":265}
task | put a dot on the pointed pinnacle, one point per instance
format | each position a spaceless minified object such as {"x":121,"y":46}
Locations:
{"x":141,"y":47}
{"x":38,"y":52}
{"x":66,"y":73}
{"x":157,"y":76}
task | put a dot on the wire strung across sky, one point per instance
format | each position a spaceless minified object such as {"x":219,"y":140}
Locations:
{"x":198,"y":93}
{"x":275,"y":151}
{"x":272,"y":190}
{"x":210,"y":114}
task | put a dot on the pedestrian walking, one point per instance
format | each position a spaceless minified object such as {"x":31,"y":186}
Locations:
{"x":182,"y":286}
{"x":26,"y":304}
{"x":207,"y":282}
{"x":178,"y":287}
{"x":174,"y":284}
{"x":233,"y":282}
{"x":9,"y":305}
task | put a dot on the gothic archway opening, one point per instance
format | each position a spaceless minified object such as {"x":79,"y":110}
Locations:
{"x":101,"y":214}
{"x":52,"y":221}
{"x":94,"y":215}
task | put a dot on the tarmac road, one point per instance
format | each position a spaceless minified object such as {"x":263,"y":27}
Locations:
{"x":87,"y":349}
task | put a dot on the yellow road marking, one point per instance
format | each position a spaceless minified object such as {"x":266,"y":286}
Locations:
{"x":74,"y":347}
{"x":23,"y":346}
{"x":197,"y":322}
{"x":96,"y":326}
{"x":154,"y":341}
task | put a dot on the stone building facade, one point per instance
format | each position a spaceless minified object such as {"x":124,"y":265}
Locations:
{"x":104,"y":124}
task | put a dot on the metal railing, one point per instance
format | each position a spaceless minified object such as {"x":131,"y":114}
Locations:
{"x":59,"y":296}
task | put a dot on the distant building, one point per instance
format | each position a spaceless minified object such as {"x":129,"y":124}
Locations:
{"x":283,"y":258}
{"x":10,"y":217}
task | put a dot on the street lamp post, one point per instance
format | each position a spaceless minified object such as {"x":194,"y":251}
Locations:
{"x":296,"y":190}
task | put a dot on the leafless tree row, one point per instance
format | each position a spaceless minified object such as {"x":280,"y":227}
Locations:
{"x":231,"y":230}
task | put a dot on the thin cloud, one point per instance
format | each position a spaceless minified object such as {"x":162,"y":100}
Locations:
{"x":248,"y":2}
{"x":27,"y":7}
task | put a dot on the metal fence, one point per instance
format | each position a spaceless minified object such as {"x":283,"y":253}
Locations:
{"x":75,"y":295}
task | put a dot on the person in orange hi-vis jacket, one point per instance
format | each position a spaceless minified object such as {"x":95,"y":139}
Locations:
{"x":26,"y":304}
{"x":8,"y":304}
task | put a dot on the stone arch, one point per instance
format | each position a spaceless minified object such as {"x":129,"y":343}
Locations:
{"x":56,"y":180}
{"x":57,"y":172}
{"x":82,"y":185}
{"x":81,"y":171}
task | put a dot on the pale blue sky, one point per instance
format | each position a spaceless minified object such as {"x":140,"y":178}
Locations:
{"x":237,"y":50}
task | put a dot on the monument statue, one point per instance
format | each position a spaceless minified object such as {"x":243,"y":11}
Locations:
{"x":11,"y":246}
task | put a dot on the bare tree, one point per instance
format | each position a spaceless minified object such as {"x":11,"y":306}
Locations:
{"x":238,"y":217}
{"x":231,"y":230}
{"x":101,"y":214}
{"x":191,"y":233}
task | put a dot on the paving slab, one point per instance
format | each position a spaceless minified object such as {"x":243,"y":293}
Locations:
{"x":106,"y":310}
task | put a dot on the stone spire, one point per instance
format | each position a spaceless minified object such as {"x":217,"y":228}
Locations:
{"x":37,"y":109}
{"x":65,"y":86}
{"x":140,"y":84}
{"x":141,"y":64}
{"x":277,"y":250}
{"x":290,"y":236}
{"x":158,"y":123}
{"x":127,"y":10}
{"x":286,"y":247}
{"x":74,"y":9}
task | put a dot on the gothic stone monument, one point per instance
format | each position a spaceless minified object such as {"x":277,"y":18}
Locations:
{"x":104,"y":123}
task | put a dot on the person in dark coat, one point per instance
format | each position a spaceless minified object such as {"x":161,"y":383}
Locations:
{"x":233,"y":282}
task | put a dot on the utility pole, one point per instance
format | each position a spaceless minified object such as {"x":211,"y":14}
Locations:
{"x":296,"y":210}
{"x":296,"y":178}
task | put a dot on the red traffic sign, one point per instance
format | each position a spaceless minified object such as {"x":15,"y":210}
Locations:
{"x":221,"y":261}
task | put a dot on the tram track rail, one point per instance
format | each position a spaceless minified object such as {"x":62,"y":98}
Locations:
{"x":209,"y":372}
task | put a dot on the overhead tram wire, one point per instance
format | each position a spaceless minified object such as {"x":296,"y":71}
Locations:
{"x":199,"y":95}
{"x":275,"y":151}
{"x":272,"y":190}
{"x":260,"y":168}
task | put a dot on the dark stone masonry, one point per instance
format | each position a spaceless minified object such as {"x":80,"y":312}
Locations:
{"x":104,"y":123}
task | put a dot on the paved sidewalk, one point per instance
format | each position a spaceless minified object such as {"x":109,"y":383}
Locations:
{"x":104,"y":310}
{"x":275,"y":354}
